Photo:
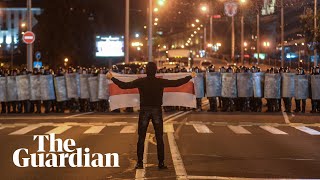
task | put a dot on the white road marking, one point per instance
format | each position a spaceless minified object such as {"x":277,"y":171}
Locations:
{"x":239,"y":130}
{"x":285,"y":115}
{"x":201,"y":128}
{"x":94,"y":130}
{"x":128,"y":129}
{"x":25,"y":130}
{"x":307,"y":130}
{"x":2,"y":128}
{"x":175,"y":117}
{"x":170,"y":116}
{"x":273,"y":130}
{"x":59,"y":130}
{"x":239,"y":178}
{"x":168,"y":128}
{"x":141,"y":173}
{"x":176,"y":157}
{"x":78,"y":114}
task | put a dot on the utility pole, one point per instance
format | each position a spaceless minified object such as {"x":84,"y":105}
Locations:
{"x":242,"y":39}
{"x":150,"y":33}
{"x":204,"y":38}
{"x":282,"y":35}
{"x":232,"y":40}
{"x":315,"y":33}
{"x":258,"y":37}
{"x":127,"y":34}
{"x":29,"y":46}
{"x":211,"y":30}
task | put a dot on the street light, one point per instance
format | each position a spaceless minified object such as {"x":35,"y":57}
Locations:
{"x":156,"y":9}
{"x":23,"y":25}
{"x":66,"y":60}
{"x":197,"y":20}
{"x":204,"y":8}
{"x":161,"y":2}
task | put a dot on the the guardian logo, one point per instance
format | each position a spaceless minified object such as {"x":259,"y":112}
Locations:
{"x":62,"y":154}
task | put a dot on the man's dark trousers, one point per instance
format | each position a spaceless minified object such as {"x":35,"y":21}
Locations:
{"x":155,"y":114}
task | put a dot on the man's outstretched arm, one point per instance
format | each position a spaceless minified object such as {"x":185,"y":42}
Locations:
{"x":178,"y":82}
{"x":121,"y":84}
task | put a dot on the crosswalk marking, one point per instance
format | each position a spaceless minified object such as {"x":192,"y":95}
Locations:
{"x":201,"y":128}
{"x":273,"y":130}
{"x":239,"y":130}
{"x":128,"y":129}
{"x":168,"y":128}
{"x":59,"y":130}
{"x":25,"y":130}
{"x":94,"y":130}
{"x":307,"y":130}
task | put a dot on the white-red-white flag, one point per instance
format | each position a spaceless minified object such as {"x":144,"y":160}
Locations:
{"x":174,"y":96}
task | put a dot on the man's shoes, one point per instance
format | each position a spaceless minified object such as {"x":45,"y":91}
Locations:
{"x":139,"y":165}
{"x":162,"y":166}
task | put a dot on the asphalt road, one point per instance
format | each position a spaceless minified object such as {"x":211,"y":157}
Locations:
{"x":198,"y":145}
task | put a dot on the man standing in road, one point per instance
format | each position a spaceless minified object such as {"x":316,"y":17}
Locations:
{"x":151,"y":93}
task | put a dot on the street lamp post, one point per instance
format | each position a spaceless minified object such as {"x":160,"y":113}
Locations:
{"x":315,"y":33}
{"x":127,"y":34}
{"x":150,"y":32}
{"x":29,"y":46}
{"x":282,"y":35}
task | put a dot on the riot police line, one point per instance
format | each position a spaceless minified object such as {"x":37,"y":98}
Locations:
{"x":230,"y":89}
{"x":243,"y":89}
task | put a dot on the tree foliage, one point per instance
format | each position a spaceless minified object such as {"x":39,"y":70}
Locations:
{"x":307,"y":26}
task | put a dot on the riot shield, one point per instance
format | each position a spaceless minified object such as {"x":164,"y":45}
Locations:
{"x":73,"y":85}
{"x":93,"y":88}
{"x":258,"y":83}
{"x":103,"y":92}
{"x":84,"y":86}
{"x":12,"y":94}
{"x":301,"y":87}
{"x":272,"y":86}
{"x":315,"y":87}
{"x":3,"y":89}
{"x":213,"y":84}
{"x":229,"y":85}
{"x":288,"y":85}
{"x":60,"y":88}
{"x":35,"y":93}
{"x":47,"y":88}
{"x":199,"y":85}
{"x":23,"y":87}
{"x":244,"y":85}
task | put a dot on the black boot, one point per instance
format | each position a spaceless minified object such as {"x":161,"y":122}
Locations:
{"x":303,"y":106}
{"x":162,"y":166}
{"x":139,"y":165}
{"x":298,"y":108}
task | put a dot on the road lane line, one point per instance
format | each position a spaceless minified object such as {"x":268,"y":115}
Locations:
{"x":168,"y":128}
{"x":78,"y":114}
{"x":2,"y":128}
{"x":285,"y":115}
{"x":94,"y":130}
{"x":59,"y":130}
{"x":141,"y":173}
{"x":308,"y":130}
{"x":175,"y":117}
{"x":170,"y":116}
{"x":176,"y":158}
{"x":201,"y":128}
{"x":128,"y":129}
{"x":240,"y":178}
{"x":273,"y":130}
{"x":239,"y":130}
{"x":25,"y":130}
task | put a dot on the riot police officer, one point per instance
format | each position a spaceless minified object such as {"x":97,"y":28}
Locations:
{"x":300,"y":72}
{"x":212,"y":100}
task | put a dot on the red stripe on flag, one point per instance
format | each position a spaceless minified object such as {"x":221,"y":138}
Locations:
{"x":186,"y":88}
{"x":115,"y":90}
